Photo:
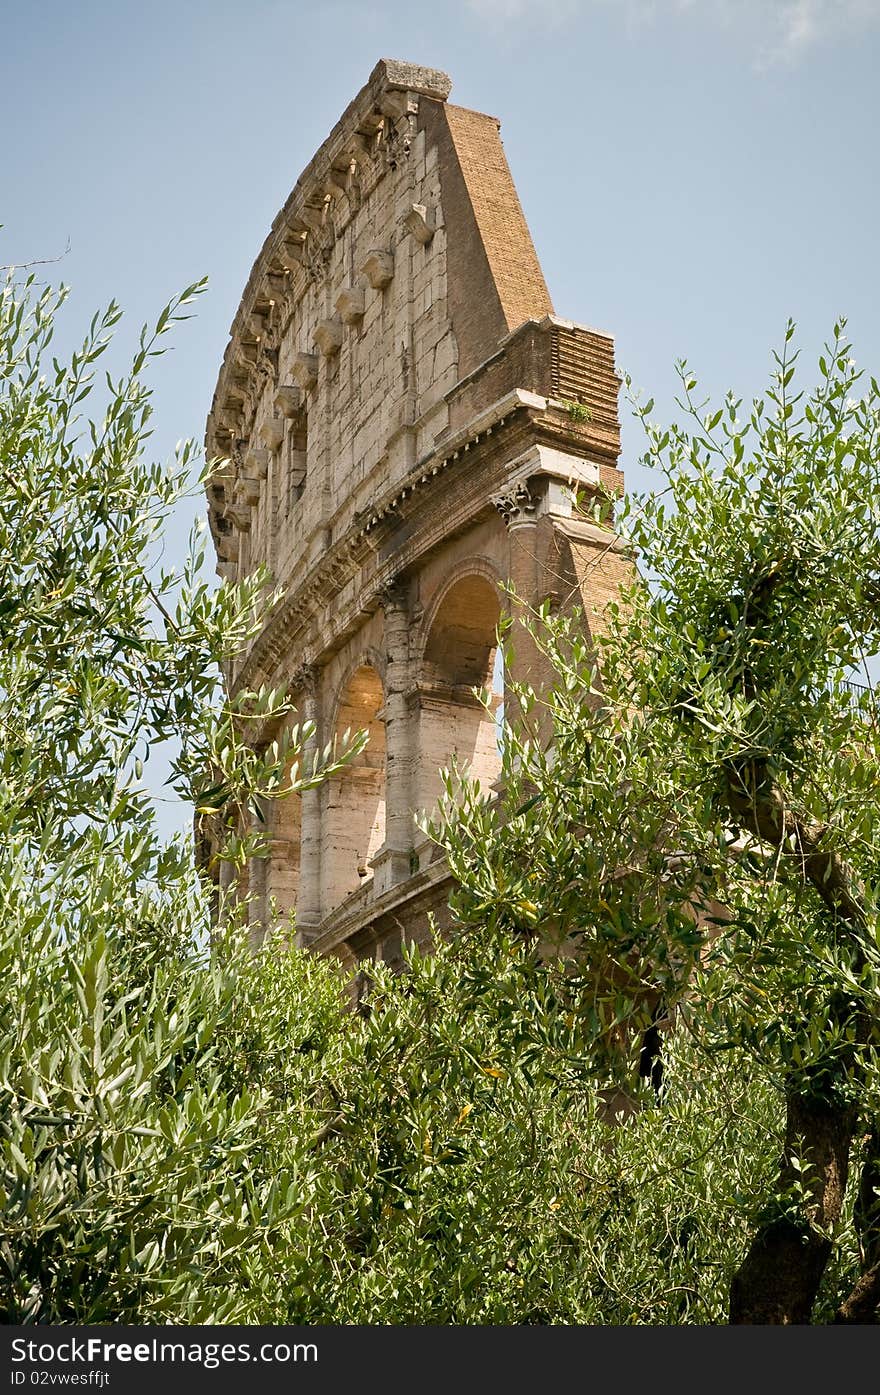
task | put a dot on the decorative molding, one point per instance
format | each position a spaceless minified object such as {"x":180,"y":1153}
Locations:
{"x":393,"y":596}
{"x":517,"y":507}
{"x":304,"y":679}
{"x":340,"y":925}
{"x":321,"y":584}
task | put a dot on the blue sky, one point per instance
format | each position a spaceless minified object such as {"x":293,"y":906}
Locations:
{"x":693,"y":171}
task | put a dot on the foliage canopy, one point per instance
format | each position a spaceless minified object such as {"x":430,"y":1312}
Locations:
{"x":200,"y":1134}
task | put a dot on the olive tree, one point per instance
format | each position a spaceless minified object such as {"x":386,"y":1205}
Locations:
{"x":129,"y":1184}
{"x":700,"y":836}
{"x":194,"y":1132}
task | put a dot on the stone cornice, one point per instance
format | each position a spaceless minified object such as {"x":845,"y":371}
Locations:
{"x":329,"y":573}
{"x":450,"y":449}
{"x":581,"y":530}
{"x":362,"y":908}
{"x":372,"y":529}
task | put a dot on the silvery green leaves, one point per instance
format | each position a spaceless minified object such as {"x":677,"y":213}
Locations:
{"x":697,"y":832}
{"x":124,"y":1133}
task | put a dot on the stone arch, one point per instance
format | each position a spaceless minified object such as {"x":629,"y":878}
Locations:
{"x":470,"y":567}
{"x":458,"y":654}
{"x":354,"y":809}
{"x":366,"y":657}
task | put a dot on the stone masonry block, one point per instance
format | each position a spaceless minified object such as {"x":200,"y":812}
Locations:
{"x":351,"y":304}
{"x":328,"y":336}
{"x":378,"y":267}
{"x":289,"y":400}
{"x":305,"y":370}
{"x":272,"y":432}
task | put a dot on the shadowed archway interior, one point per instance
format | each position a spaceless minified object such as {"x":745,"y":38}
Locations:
{"x":460,"y":657}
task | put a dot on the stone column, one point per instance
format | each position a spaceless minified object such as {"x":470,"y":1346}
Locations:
{"x":257,"y":884}
{"x":308,"y":912}
{"x":392,"y":864}
{"x":518,"y":508}
{"x":282,"y":865}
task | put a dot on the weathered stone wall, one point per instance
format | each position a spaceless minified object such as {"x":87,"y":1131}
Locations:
{"x":395,"y":415}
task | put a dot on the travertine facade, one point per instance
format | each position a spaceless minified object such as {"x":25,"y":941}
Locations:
{"x":396,"y":406}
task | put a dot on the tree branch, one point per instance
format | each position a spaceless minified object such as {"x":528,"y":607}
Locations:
{"x":37,"y":261}
{"x":862,"y":1304}
{"x":759,"y":806}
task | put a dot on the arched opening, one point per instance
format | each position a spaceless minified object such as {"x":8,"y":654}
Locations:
{"x":460,"y":655}
{"x":354,"y":812}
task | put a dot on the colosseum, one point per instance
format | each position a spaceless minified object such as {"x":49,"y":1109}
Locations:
{"x":404,"y":422}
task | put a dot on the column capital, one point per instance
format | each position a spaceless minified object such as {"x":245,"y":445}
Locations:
{"x":304,"y":679}
{"x":517,"y":506}
{"x":394,"y":596}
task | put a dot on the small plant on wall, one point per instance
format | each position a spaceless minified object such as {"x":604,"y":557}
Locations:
{"x":578,"y":411}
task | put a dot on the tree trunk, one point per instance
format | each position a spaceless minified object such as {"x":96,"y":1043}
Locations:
{"x":863,"y":1303}
{"x":867,"y":1208}
{"x":779,"y":1278}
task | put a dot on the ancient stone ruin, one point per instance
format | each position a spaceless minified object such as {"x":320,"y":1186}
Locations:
{"x":405,"y":421}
